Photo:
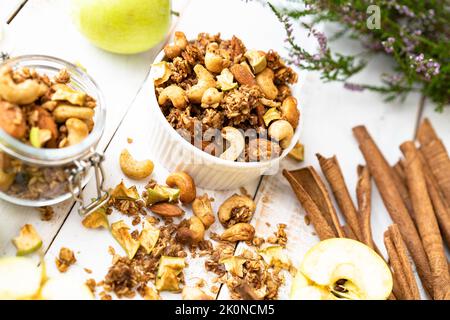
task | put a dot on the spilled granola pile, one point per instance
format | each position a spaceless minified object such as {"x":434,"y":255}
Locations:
{"x":211,"y":86}
{"x":157,"y":250}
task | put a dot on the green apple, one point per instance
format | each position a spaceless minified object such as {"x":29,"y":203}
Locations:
{"x":342,"y":268}
{"x":123,"y":26}
{"x":64,"y":287}
{"x":20,"y":278}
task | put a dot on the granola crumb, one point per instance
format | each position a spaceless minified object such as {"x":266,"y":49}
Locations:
{"x":65,"y":260}
{"x":91,"y":284}
{"x":214,"y":289}
{"x":105,"y":296}
{"x":89,"y":271}
{"x":47,"y":213}
{"x":130,"y":140}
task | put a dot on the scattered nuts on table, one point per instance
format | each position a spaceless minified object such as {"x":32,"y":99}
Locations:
{"x":134,"y":169}
{"x":185,"y":183}
{"x":222,"y":86}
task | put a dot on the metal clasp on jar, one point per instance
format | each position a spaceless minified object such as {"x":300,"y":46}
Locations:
{"x":75,"y":180}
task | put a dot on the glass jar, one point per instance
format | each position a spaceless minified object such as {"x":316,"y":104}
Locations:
{"x":38,"y":177}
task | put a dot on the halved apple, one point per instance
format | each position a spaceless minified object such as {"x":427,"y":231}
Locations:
{"x":20,"y":278}
{"x":341,"y":268}
{"x":65,"y":288}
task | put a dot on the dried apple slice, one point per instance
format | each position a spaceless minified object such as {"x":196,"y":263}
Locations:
{"x":160,"y":194}
{"x":121,"y":192}
{"x":27,"y":241}
{"x":20,"y":278}
{"x":148,"y":237}
{"x":65,"y":288}
{"x":234,"y":265}
{"x":120,"y":232}
{"x":168,"y":271}
{"x":275,"y":256}
{"x":97,"y":219}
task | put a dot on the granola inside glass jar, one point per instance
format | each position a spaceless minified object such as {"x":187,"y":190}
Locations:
{"x":52,"y":117}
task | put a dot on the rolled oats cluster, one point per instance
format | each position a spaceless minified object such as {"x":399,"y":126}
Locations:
{"x":230,"y":101}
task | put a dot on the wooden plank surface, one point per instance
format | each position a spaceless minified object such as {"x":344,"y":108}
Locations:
{"x":8,"y":8}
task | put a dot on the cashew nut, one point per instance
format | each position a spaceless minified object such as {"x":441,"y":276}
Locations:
{"x":179,"y":43}
{"x":64,"y":92}
{"x":290,"y":112}
{"x":194,"y":293}
{"x":191,"y":231}
{"x":236,"y":209}
{"x":239,"y":232}
{"x":135,"y":169}
{"x":12,"y":120}
{"x":264,"y":79}
{"x":282,"y":131}
{"x":257,"y":60}
{"x":262,"y":149}
{"x":211,"y":98}
{"x":203,"y":210}
{"x":236,"y":141}
{"x":185,"y":183}
{"x":176,"y":95}
{"x":64,"y":112}
{"x":77,"y":131}
{"x":214,"y":62}
{"x":205,"y":81}
{"x":25,"y":92}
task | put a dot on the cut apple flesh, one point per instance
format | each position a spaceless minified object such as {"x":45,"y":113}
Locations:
{"x":348,"y":269}
{"x":28,"y":240}
{"x":65,"y":288}
{"x":20,"y":278}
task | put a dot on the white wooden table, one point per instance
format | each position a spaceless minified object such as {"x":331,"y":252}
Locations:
{"x":329,"y":112}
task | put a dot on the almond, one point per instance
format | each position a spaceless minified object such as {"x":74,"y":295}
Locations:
{"x":243,"y":75}
{"x":165,"y":209}
{"x":12,"y":120}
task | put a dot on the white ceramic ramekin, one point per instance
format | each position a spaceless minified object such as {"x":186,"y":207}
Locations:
{"x":209,"y":172}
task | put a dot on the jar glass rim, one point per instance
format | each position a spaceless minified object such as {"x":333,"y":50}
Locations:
{"x":43,"y":156}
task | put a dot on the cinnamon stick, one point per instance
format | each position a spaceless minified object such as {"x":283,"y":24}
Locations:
{"x":312,"y":195}
{"x":426,"y":221}
{"x":402,"y":252}
{"x":333,"y":173}
{"x":364,"y":198}
{"x":403,"y":292}
{"x":436,"y":156}
{"x":398,"y":174}
{"x":402,"y":271}
{"x":383,"y":176}
{"x":441,"y":209}
{"x":349,"y":232}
